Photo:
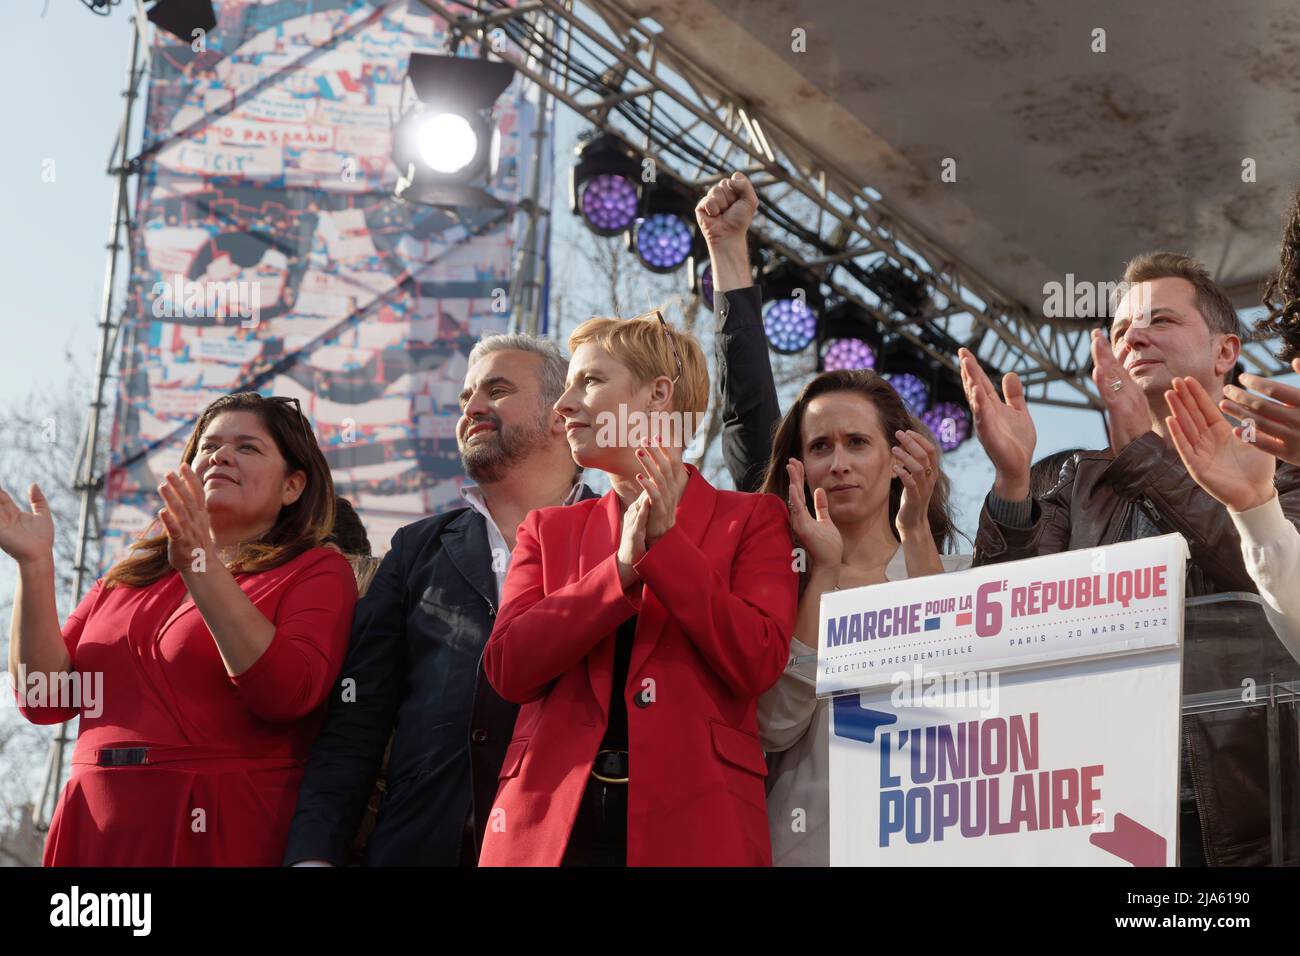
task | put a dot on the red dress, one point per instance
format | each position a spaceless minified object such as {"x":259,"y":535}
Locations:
{"x":225,"y":755}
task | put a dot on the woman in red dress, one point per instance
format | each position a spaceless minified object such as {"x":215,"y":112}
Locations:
{"x":212,"y":646}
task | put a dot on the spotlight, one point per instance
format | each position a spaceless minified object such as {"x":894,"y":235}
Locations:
{"x":447,"y":143}
{"x":842,"y":354}
{"x":793,"y":302}
{"x":181,"y":18}
{"x":663,"y":241}
{"x":609,"y":204}
{"x":948,"y":422}
{"x":702,"y":284}
{"x":446,"y":146}
{"x":604,"y":185}
{"x":912,"y":390}
{"x":949,"y":416}
{"x":911,"y":373}
{"x":849,"y":338}
{"x":899,"y":290}
{"x":790,"y":325}
{"x":664,"y":233}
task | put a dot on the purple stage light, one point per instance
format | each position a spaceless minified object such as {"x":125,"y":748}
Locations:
{"x":791,"y":325}
{"x":609,"y":204}
{"x":914,"y":392}
{"x":706,"y":285}
{"x":663,"y":241}
{"x":847,"y":354}
{"x":949,"y":422}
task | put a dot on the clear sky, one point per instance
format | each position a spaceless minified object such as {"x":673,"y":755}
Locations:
{"x":63,"y":74}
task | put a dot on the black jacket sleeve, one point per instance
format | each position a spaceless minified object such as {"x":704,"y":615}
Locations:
{"x":346,"y":757}
{"x":748,"y":391}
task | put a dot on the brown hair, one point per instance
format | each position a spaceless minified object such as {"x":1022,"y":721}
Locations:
{"x":1211,"y":302}
{"x":1282,"y":293}
{"x":348,"y":534}
{"x":646,"y":346}
{"x":787,"y":443}
{"x":299,"y":526}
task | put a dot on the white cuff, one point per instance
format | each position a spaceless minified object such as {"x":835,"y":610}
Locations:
{"x":1262,"y":526}
{"x":805,"y":670}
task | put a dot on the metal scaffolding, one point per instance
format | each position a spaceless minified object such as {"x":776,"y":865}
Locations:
{"x":87,"y":479}
{"x":625,"y":77}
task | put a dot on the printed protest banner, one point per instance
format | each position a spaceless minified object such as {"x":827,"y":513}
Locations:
{"x":1023,"y":713}
{"x":267,"y":253}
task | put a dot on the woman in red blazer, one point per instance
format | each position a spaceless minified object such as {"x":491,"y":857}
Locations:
{"x":202,"y":660}
{"x":638,"y":630}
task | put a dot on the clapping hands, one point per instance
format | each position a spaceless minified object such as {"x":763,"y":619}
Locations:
{"x":1276,"y":423}
{"x":26,"y":535}
{"x":1237,"y":473}
{"x":1004,"y":428}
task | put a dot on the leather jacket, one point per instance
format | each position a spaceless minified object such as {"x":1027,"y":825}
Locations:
{"x":1092,"y":504}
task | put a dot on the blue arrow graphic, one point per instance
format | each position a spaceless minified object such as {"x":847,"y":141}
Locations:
{"x":856,"y":722}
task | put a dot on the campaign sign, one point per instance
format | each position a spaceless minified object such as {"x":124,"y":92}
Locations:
{"x":1037,"y":723}
{"x":1122,"y":598}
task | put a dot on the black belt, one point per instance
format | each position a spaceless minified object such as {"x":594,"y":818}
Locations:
{"x":165,"y":753}
{"x":122,"y":756}
{"x":610,"y":766}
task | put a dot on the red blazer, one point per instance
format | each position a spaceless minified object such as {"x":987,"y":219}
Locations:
{"x":713,"y":632}
{"x":226,"y":754}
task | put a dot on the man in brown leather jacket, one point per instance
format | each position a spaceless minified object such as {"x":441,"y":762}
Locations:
{"x":1171,"y":320}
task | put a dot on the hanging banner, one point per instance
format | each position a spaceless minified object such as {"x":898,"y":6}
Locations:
{"x":269,"y":254}
{"x":1024,"y":713}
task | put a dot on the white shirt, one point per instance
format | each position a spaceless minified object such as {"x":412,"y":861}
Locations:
{"x":1270,"y":547}
{"x":473,"y":496}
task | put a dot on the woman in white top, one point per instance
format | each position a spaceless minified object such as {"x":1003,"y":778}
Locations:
{"x":1236,"y":466}
{"x":872,"y":479}
{"x":849,"y":449}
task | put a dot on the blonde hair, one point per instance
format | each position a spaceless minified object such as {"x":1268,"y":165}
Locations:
{"x":364,"y":567}
{"x":647,"y":348}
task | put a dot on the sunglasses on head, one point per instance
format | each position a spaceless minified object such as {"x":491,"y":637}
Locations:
{"x":672,"y":342}
{"x":297,"y":407}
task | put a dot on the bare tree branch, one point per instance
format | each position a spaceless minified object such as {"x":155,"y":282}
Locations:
{"x":40,"y":439}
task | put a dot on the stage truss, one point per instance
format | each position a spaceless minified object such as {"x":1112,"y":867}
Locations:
{"x":625,"y":77}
